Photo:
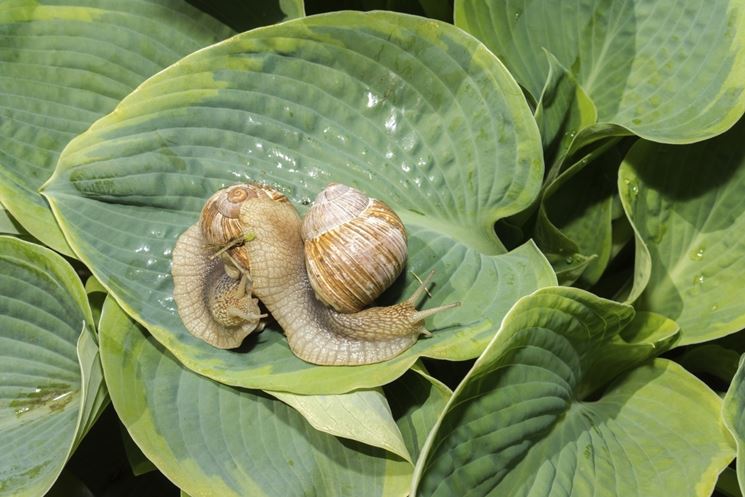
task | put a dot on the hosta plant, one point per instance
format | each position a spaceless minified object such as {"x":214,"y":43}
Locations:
{"x":572,"y":172}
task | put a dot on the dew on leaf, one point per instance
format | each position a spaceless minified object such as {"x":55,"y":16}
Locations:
{"x":698,"y":254}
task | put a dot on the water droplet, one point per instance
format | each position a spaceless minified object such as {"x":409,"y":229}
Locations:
{"x":372,"y":100}
{"x":569,"y":260}
{"x":714,"y":307}
{"x":698,"y":255}
{"x":517,"y":15}
{"x":405,"y":167}
{"x":391,"y":122}
{"x":698,"y":280}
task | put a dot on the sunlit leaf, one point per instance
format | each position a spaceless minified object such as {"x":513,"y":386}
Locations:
{"x":686,"y":206}
{"x":562,"y":399}
{"x":734,"y":418}
{"x":346,"y":97}
{"x":66,"y":63}
{"x":668,"y":71}
{"x":50,"y":380}
{"x":211,"y":439}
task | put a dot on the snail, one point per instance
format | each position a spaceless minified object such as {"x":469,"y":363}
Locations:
{"x":259,"y":231}
{"x":221,"y":311}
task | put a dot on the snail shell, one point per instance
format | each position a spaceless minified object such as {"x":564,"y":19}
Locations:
{"x":220,"y":223}
{"x":355,"y":247}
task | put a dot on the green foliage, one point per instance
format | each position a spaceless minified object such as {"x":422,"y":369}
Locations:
{"x":543,"y":383}
{"x":686,"y":206}
{"x":602,"y":138}
{"x":212,"y":439}
{"x":52,"y":386}
{"x":251,"y":109}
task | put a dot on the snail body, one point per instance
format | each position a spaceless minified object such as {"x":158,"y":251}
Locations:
{"x":272,"y":243}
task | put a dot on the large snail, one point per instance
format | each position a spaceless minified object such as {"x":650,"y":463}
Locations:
{"x":249,"y":243}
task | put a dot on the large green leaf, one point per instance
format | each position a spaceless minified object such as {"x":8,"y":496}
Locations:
{"x":8,"y":225}
{"x":363,"y":415}
{"x":686,"y":205}
{"x":544,"y":410}
{"x":563,"y":108}
{"x":211,"y":439}
{"x":412,"y":111}
{"x":49,"y":373}
{"x":574,"y":221}
{"x":711,"y":360}
{"x":668,"y":71}
{"x":417,"y":400}
{"x":66,"y":63}
{"x":734,"y":418}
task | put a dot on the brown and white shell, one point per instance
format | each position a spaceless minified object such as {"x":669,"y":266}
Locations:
{"x":220,"y":218}
{"x":355,"y":247}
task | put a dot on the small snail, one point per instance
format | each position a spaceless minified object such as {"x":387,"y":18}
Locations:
{"x":266,"y":243}
{"x":213,"y":297}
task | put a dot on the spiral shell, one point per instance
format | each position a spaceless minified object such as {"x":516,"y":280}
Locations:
{"x":220,"y":221}
{"x":355,"y":247}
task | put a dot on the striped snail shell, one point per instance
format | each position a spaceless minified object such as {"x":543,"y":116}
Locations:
{"x":220,"y":222}
{"x":355,"y":247}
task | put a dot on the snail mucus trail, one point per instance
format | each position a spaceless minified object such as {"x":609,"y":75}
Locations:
{"x":250,"y":243}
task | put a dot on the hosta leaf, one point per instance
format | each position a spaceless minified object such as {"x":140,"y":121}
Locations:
{"x":686,"y":205}
{"x":363,"y":415}
{"x":96,"y":396}
{"x":138,"y":462}
{"x":346,"y":97}
{"x":574,"y":225}
{"x":211,"y":439}
{"x":416,"y":400}
{"x":96,"y":296}
{"x":48,"y":373}
{"x":711,"y":359}
{"x":667,"y":71}
{"x":734,"y":418}
{"x":8,"y":225}
{"x":539,"y":415}
{"x":563,"y":108}
{"x":66,"y":63}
